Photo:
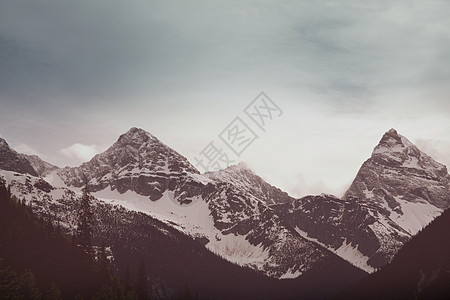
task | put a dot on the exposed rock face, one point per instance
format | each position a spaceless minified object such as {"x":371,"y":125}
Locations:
{"x":10,"y":160}
{"x":238,"y":213}
{"x":245,"y":179}
{"x":347,"y":227}
{"x":41,"y":167}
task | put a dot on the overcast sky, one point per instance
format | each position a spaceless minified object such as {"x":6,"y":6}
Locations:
{"x":74,"y":75}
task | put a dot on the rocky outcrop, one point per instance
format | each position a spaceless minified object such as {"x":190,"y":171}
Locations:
{"x":41,"y":167}
{"x":10,"y":160}
{"x":244,"y":178}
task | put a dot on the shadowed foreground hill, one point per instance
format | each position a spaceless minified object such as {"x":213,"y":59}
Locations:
{"x":36,"y":258}
{"x":420,"y":270}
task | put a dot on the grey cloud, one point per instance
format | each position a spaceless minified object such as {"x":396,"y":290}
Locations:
{"x":69,"y":66}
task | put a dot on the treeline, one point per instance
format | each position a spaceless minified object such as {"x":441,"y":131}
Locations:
{"x":38,"y":261}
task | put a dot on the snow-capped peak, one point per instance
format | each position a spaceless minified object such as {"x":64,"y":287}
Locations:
{"x":3,"y":143}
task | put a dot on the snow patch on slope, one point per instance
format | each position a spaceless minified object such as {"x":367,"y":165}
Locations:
{"x":237,"y":249}
{"x":291,"y":275}
{"x":415,"y":215}
{"x":345,"y":251}
{"x":353,"y":255}
{"x":54,"y":179}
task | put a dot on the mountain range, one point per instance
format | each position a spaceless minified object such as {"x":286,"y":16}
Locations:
{"x":148,"y":196}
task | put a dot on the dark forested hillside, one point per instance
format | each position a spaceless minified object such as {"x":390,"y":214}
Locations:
{"x":38,"y":260}
{"x":420,"y":270}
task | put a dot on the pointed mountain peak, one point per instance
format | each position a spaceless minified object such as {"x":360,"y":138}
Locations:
{"x":3,"y":143}
{"x":138,"y":161}
{"x":395,"y":149}
{"x":10,"y":160}
{"x":398,"y":169}
{"x":392,"y":131}
{"x":133,"y":131}
{"x":392,"y":142}
{"x":391,"y":136}
{"x":136,"y":137}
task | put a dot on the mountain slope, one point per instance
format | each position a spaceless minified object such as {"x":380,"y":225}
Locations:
{"x":396,"y":192}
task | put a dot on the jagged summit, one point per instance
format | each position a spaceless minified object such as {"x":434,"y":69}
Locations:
{"x":395,"y":150}
{"x":398,"y":168}
{"x":3,"y":143}
{"x":243,"y":177}
{"x":402,"y":187}
{"x":392,"y":141}
{"x":392,"y":130}
{"x":391,"y":137}
{"x":10,"y":160}
{"x":136,"y":137}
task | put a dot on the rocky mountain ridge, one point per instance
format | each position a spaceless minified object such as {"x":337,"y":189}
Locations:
{"x":142,"y":174}
{"x":239,"y":216}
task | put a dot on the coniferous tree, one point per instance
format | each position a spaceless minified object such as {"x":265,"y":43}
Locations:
{"x":38,"y":262}
{"x":187,"y":294}
{"x":53,"y":292}
{"x":127,"y":280}
{"x":17,"y":286}
{"x":142,"y":282}
{"x":103,"y":263}
{"x":28,"y":287}
{"x":85,"y":222}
